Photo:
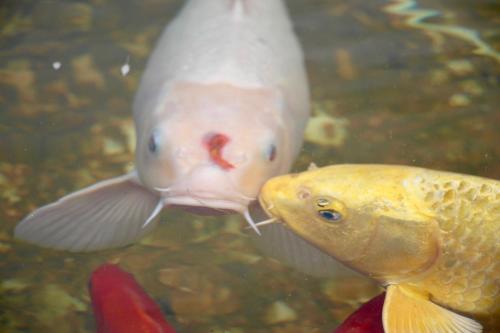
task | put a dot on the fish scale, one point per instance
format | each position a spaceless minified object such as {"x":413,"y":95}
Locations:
{"x":467,"y":262}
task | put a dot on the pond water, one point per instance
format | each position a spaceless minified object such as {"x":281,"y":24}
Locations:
{"x":412,"y":84}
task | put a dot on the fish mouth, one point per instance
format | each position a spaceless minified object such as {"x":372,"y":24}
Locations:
{"x":192,"y":195}
{"x":205,"y":205}
{"x":267,"y":207}
{"x":211,"y":205}
{"x":267,"y":198}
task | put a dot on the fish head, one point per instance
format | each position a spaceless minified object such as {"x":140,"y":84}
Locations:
{"x":213,"y":146}
{"x":358,"y":214}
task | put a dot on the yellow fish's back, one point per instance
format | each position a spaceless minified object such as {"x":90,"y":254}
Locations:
{"x":466,"y":276}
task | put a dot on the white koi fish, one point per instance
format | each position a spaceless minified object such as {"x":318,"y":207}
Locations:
{"x":221,"y":108}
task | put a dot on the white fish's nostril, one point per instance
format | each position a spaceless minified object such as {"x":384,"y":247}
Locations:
{"x":239,"y":158}
{"x":181,"y":152}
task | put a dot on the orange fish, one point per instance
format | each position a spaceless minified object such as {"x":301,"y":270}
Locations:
{"x":121,"y":305}
{"x":366,"y":319}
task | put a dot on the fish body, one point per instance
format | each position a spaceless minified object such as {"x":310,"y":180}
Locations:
{"x":430,"y":236}
{"x":221,"y":107}
{"x":366,"y":319}
{"x":120,"y":304}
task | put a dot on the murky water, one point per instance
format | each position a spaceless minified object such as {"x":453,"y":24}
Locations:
{"x":403,"y":90}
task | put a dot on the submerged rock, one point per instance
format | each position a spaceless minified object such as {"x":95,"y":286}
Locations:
{"x":55,"y":303}
{"x":348,"y":293}
{"x":325,"y":129}
{"x":459,"y":100}
{"x":4,"y":248}
{"x":86,"y":73}
{"x":460,"y":67}
{"x":280,"y":312}
{"x":192,"y":291}
{"x":13,"y":285}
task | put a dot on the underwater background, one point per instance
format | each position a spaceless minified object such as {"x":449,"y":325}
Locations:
{"x":398,"y":82}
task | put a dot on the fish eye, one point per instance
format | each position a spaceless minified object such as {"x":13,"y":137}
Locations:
{"x":154,"y":142}
{"x":271,"y":152}
{"x":330,"y":209}
{"x":330,"y":215}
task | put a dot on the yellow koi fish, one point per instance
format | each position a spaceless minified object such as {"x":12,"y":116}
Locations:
{"x":431,"y":237}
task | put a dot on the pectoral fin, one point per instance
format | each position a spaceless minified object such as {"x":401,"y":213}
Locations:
{"x":108,"y":214}
{"x":406,"y":310}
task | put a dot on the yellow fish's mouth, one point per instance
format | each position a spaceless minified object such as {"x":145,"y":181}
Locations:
{"x":267,"y":205}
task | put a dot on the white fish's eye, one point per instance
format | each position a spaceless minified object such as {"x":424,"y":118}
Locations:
{"x":154,"y":142}
{"x":271,"y":152}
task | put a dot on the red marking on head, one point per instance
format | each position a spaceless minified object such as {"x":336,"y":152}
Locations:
{"x":215,"y":143}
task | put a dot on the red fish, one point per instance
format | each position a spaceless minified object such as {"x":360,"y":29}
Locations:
{"x":366,"y":319}
{"x":121,"y":305}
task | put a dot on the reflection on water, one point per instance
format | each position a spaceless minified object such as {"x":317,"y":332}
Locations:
{"x":68,"y":71}
{"x":417,"y":18}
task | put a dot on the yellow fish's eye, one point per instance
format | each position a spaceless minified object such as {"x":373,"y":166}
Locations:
{"x":330,"y":215}
{"x":330,"y":209}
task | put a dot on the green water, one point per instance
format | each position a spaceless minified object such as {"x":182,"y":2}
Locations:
{"x":407,"y":95}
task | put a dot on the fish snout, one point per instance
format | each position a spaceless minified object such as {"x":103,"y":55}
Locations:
{"x":273,"y":194}
{"x":208,"y":178}
{"x":208,"y":186}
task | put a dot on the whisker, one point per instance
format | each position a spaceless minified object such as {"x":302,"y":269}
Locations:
{"x":268,"y":221}
{"x":245,"y":197}
{"x":265,"y":222}
{"x":162,"y":189}
{"x":154,"y":213}
{"x":250,"y":221}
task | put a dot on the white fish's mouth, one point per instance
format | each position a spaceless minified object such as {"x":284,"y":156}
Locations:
{"x":209,"y":205}
{"x":216,"y":204}
{"x":223,"y":200}
{"x":203,"y":205}
{"x":192,"y":194}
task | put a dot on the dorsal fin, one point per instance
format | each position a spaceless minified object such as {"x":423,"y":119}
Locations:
{"x":238,"y":8}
